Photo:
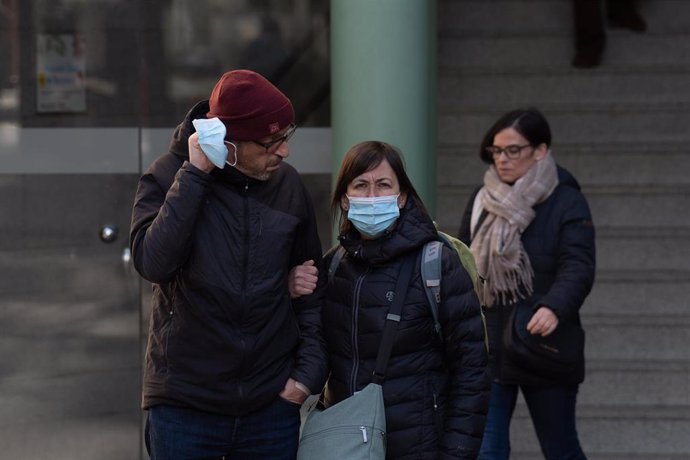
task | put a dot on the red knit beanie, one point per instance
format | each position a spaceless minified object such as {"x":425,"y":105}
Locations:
{"x":250,"y":106}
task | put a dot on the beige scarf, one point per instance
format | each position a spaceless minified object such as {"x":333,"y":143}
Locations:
{"x":497,"y":244}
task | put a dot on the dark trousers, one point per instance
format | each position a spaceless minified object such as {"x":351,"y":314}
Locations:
{"x":175,"y":433}
{"x":552,"y":409}
{"x":589,"y":20}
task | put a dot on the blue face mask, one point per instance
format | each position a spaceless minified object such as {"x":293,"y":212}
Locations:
{"x":211,"y":140}
{"x":373,"y":215}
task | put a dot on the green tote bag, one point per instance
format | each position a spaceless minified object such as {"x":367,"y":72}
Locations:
{"x":353,"y":429}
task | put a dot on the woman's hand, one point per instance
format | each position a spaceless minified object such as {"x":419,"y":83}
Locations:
{"x":544,"y":322}
{"x":302,"y":279}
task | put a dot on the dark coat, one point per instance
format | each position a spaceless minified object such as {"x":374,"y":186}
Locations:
{"x":224,"y":336}
{"x":436,"y":392}
{"x":560,"y":245}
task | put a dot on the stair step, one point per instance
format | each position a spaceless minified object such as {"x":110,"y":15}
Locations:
{"x":619,"y":164}
{"x":655,"y":207}
{"x":658,"y":338}
{"x":639,"y":292}
{"x":662,"y":124}
{"x":651,"y":208}
{"x":604,"y":456}
{"x":481,"y":18}
{"x":640,"y":384}
{"x":562,"y":92}
{"x":617,"y":430}
{"x":656,"y":249}
{"x":650,"y":320}
{"x":625,"y":52}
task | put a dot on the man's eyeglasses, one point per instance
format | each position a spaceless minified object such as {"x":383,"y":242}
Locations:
{"x":511,"y":151}
{"x":273,"y":145}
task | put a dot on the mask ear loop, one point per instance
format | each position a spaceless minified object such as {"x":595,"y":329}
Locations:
{"x":235,"y":153}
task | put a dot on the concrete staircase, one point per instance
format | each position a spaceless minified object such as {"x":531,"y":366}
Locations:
{"x":623,"y":129}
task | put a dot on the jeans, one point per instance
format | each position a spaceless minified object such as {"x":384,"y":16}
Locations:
{"x":174,"y":433}
{"x":552,"y":409}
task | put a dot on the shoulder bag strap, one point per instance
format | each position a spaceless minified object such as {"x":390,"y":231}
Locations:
{"x":393,"y":319}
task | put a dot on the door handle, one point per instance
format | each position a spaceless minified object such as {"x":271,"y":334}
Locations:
{"x":108,"y":233}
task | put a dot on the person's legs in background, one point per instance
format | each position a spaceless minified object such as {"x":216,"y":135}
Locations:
{"x":552,"y":409}
{"x":496,"y":441}
{"x":590,"y":37}
{"x":623,"y":14}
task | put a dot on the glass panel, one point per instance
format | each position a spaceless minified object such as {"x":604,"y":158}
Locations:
{"x":146,"y":63}
{"x":69,"y":319}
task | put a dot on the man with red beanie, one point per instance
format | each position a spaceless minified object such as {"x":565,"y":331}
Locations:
{"x":217,"y":224}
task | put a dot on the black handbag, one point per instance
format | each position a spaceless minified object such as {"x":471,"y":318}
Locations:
{"x":558,"y":353}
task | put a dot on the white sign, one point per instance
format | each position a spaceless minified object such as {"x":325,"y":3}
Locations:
{"x":61,"y":73}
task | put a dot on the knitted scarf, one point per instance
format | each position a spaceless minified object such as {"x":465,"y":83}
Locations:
{"x":497,"y":244}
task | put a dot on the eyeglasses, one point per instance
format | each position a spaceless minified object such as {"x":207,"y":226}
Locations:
{"x":276,"y":143}
{"x":511,"y":151}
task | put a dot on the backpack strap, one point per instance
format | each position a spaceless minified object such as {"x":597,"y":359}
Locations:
{"x":431,"y":278}
{"x":431,"y":271}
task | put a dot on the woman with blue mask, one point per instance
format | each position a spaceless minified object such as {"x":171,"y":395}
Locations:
{"x":436,"y":387}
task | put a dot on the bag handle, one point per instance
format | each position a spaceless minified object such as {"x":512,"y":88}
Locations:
{"x":393,"y":320}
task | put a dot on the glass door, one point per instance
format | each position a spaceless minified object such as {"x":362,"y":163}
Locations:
{"x":90,"y":92}
{"x":69,"y":318}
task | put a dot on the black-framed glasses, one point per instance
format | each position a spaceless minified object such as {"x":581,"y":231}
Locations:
{"x":511,"y":151}
{"x":276,"y":143}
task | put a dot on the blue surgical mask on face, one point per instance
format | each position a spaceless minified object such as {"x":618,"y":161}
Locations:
{"x":373,"y":215}
{"x":211,"y":140}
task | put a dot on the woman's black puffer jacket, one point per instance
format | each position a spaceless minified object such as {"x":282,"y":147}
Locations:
{"x":560,"y":245}
{"x":436,"y":391}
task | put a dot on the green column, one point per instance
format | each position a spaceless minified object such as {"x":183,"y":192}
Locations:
{"x":383,"y":82}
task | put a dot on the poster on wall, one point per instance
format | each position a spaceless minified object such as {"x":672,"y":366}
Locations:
{"x":61,"y":72}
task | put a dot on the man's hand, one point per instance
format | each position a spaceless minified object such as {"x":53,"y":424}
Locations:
{"x":302,"y":279}
{"x":544,"y":322}
{"x":197,"y":157}
{"x":291,"y":392}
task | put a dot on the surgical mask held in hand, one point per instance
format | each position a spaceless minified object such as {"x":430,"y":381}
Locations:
{"x":373,"y":215}
{"x":211,"y":140}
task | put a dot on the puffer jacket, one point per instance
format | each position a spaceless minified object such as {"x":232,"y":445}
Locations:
{"x":224,"y":336}
{"x":436,"y":391}
{"x":560,"y":245}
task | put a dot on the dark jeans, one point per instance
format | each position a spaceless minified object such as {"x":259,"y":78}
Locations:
{"x":176,"y":433}
{"x":552,"y":409}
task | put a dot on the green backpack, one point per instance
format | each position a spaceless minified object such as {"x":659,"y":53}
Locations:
{"x":432,"y":273}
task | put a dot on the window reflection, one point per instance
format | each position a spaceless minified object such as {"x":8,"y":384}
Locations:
{"x":148,"y":62}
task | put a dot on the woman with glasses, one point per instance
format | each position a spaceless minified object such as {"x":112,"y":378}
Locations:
{"x":530,"y":230}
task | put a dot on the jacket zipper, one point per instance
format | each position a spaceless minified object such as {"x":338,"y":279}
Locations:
{"x":245,"y":256}
{"x":245,"y":263}
{"x":355,"y":348}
